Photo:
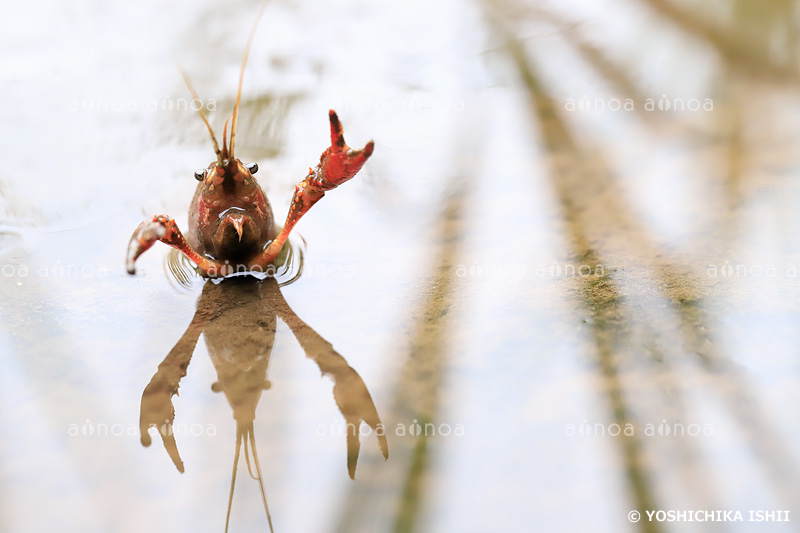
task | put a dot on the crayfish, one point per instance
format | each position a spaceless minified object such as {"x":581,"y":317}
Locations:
{"x":231,"y":225}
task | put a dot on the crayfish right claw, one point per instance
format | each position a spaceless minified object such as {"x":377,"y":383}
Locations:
{"x":145,"y":236}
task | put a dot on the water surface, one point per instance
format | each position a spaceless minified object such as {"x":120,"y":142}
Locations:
{"x":567,"y":279}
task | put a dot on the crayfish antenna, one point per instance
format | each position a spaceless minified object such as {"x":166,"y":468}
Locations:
{"x":202,"y":115}
{"x":260,"y":478}
{"x":241,"y":74}
{"x":226,"y":154}
{"x":233,"y":476}
{"x":242,"y":436}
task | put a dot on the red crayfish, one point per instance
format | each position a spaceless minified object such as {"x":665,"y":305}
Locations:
{"x":231,"y":225}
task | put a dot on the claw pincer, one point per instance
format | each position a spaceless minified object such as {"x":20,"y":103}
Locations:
{"x":145,"y":235}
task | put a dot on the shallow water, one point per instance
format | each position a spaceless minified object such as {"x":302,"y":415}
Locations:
{"x":567,"y":277}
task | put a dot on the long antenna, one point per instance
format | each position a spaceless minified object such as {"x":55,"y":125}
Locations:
{"x":242,"y":436}
{"x":260,"y":478}
{"x":224,"y":139}
{"x":233,"y":476}
{"x":241,"y":75}
{"x":202,"y":115}
{"x":247,"y":459}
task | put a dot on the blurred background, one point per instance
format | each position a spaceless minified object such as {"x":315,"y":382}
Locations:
{"x":568,"y":276}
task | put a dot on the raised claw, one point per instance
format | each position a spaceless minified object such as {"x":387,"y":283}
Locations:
{"x":339,"y":162}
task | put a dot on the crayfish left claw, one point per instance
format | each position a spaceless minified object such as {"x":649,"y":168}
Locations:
{"x":368,"y":149}
{"x":338,"y":143}
{"x":337,"y":132}
{"x":339,"y":162}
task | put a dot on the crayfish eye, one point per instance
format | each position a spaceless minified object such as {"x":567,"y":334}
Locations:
{"x":200,"y":175}
{"x":252,"y":168}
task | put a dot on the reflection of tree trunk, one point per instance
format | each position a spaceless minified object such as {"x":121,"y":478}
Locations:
{"x":608,"y":69}
{"x":598,"y":219}
{"x":742,"y":53}
{"x":600,"y":294}
{"x":420,"y":383}
{"x":417,"y":390}
{"x":734,"y":175}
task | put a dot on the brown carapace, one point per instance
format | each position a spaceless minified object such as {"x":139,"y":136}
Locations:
{"x":231,"y":225}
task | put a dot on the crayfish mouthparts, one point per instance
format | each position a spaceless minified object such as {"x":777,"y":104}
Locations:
{"x":237,"y":225}
{"x":236,"y":219}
